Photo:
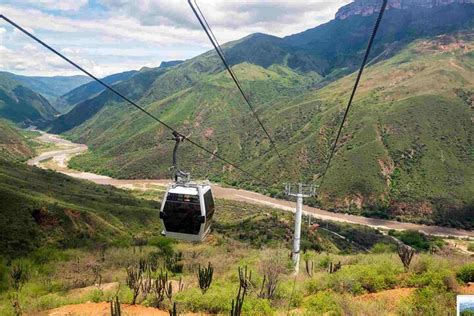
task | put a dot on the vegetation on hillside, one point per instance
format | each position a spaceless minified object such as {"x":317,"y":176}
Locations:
{"x":365,"y":282}
{"x":69,"y":100}
{"x":406,"y":140}
{"x":43,"y":208}
{"x":20,"y":104}
{"x":52,"y":87}
{"x":14,"y":145}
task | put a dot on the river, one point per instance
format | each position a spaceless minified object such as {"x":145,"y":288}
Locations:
{"x":64,"y":150}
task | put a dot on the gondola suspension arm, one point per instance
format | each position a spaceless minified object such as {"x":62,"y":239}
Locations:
{"x":178,"y":174}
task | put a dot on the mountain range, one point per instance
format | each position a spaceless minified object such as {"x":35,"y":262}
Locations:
{"x":369,"y":7}
{"x":20,"y":104}
{"x":409,"y":135}
{"x":50,"y":87}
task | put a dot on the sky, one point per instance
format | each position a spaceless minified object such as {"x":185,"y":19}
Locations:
{"x":111,"y":36}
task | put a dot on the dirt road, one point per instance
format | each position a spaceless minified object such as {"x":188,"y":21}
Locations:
{"x":58,"y":159}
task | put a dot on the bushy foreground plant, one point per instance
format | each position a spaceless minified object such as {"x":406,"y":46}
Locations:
{"x":360,"y":278}
{"x":323,"y":302}
{"x":428,"y":301}
{"x":428,"y":272}
{"x":466,"y":273}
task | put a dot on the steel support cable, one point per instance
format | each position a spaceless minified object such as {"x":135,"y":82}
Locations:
{"x":128,"y":100}
{"x":359,"y":75}
{"x":205,"y":26}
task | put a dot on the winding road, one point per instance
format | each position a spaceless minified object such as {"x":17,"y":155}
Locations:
{"x":58,"y":161}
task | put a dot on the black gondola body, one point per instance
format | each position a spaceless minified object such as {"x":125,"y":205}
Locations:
{"x":187,"y":210}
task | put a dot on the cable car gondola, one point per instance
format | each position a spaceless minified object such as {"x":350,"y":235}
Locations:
{"x":187,"y":207}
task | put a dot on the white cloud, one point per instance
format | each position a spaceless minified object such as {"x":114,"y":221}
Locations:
{"x":277,"y":17}
{"x":130,"y":34}
{"x":60,"y":5}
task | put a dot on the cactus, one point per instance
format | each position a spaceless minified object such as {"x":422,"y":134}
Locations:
{"x":158,"y":288}
{"x":245,"y":279}
{"x":134,"y":281}
{"x":334,"y":268}
{"x":180,"y":285}
{"x":174,"y":311}
{"x":205,"y":277}
{"x":309,"y":265}
{"x":19,"y":275}
{"x":169,"y":291}
{"x":238,"y":303}
{"x":172,"y":262}
{"x":146,"y":286}
{"x":406,"y":254}
{"x":115,"y":307}
{"x":245,"y":285}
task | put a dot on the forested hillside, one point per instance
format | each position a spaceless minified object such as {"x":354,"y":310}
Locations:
{"x":20,"y":104}
{"x":69,"y":100}
{"x":400,"y":149}
{"x":408,"y":136}
{"x":52,"y":87}
{"x":40,"y":208}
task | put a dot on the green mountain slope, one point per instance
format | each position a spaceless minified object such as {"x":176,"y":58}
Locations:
{"x":13,"y":145}
{"x":41,"y":208}
{"x":340,"y":44}
{"x":67,"y":101}
{"x":409,"y":135}
{"x":329,"y":50}
{"x":52,"y":87}
{"x":407,"y":139}
{"x":20,"y":104}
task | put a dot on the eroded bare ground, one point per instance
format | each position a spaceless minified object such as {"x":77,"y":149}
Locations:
{"x":103,"y":308}
{"x":58,"y":158}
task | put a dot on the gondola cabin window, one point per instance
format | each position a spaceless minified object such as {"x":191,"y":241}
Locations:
{"x":184,"y":213}
{"x":187,"y":211}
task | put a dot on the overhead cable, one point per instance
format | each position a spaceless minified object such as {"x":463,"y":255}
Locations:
{"x":359,"y":75}
{"x":215,"y":43}
{"x":110,"y":88}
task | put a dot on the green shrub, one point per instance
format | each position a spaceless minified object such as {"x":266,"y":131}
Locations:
{"x":432,"y":273}
{"x":466,"y":273}
{"x":428,"y":301}
{"x":379,"y":248}
{"x":216,"y":300}
{"x":49,"y":301}
{"x":417,"y":240}
{"x":413,"y":238}
{"x":96,"y":296}
{"x":3,"y":275}
{"x":164,"y":244}
{"x":44,"y":255}
{"x":323,"y":302}
{"x":361,"y":278}
{"x":324,"y":262}
{"x":470,"y":247}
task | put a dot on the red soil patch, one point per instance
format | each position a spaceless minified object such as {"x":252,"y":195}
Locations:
{"x":103,"y":309}
{"x":467,"y":289}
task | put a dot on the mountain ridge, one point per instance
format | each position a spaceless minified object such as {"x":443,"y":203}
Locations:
{"x":22,"y":105}
{"x":51,"y":87}
{"x":369,"y":7}
{"x":70,"y":99}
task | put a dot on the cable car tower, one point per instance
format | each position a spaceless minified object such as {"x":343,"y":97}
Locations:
{"x":299,"y":191}
{"x":188,"y":207}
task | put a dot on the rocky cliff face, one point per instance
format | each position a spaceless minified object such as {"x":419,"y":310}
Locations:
{"x":368,"y":7}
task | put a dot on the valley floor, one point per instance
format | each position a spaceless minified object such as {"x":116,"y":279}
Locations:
{"x":58,"y":158}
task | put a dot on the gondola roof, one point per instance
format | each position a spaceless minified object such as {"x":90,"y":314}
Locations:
{"x":188,"y":189}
